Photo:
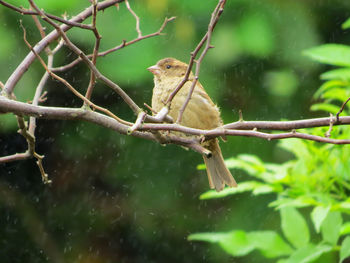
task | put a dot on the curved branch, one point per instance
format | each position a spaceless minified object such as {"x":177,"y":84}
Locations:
{"x":146,"y":130}
{"x":88,"y":62}
{"x":24,"y":11}
{"x":28,"y":60}
{"x":286,"y":125}
{"x":122,"y":45}
{"x":60,"y":113}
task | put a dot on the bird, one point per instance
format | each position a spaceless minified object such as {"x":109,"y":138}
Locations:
{"x":200,"y":113}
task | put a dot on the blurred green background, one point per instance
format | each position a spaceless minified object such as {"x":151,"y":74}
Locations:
{"x":122,"y":199}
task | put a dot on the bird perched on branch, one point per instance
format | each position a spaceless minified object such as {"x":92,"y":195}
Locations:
{"x":200,"y":113}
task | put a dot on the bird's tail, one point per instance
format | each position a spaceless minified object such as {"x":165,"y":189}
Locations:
{"x":218,"y":174}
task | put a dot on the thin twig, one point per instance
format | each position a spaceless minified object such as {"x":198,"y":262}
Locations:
{"x":40,"y":46}
{"x":95,"y":51}
{"x":89,"y":63}
{"x":39,"y":162}
{"x":39,"y":26}
{"x":150,"y":108}
{"x":341,"y":109}
{"x":216,"y":14}
{"x":138,"y":123}
{"x":246,"y":127}
{"x":70,"y":87}
{"x":39,"y":93}
{"x":331,"y":122}
{"x":14,"y":157}
{"x":122,"y":45}
{"x":59,"y":113}
{"x":31,"y":148}
{"x":39,"y":89}
{"x":214,"y":18}
{"x":24,"y":11}
{"x":138,"y":30}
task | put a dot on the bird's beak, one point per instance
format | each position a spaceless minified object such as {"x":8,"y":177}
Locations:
{"x":154,"y":70}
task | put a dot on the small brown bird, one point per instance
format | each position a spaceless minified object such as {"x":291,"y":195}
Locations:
{"x":200,"y":113}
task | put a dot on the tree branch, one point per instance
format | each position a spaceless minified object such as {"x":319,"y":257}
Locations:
{"x":29,"y":59}
{"x":240,"y":128}
{"x":214,"y":18}
{"x":24,"y":11}
{"x":88,"y":62}
{"x":122,"y":45}
{"x":60,"y":113}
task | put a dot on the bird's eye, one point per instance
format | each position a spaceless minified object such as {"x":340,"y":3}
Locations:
{"x":168,"y":66}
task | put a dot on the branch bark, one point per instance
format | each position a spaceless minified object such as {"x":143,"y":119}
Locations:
{"x":145,"y":131}
{"x":40,"y":46}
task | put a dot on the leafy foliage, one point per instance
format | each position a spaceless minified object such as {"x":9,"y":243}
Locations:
{"x":119,"y":199}
{"x":318,"y":178}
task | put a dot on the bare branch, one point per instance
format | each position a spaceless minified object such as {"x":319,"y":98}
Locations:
{"x":69,"y":86}
{"x":24,"y":11}
{"x":40,"y":87}
{"x":246,"y":128}
{"x":59,"y":113}
{"x":285,"y":125}
{"x":341,"y":109}
{"x":39,"y":26}
{"x":122,"y":45}
{"x":15,"y":157}
{"x":331,"y":122}
{"x":38,"y":93}
{"x":139,"y":121}
{"x":31,"y":148}
{"x":138,"y":30}
{"x":215,"y":17}
{"x":91,"y":66}
{"x":28,"y":133}
{"x":39,"y":162}
{"x":28,"y":60}
{"x":95,"y":52}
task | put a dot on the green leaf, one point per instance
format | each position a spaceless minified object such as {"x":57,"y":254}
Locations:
{"x":329,"y":85}
{"x":318,"y":215}
{"x":264,"y":189}
{"x":308,"y":253}
{"x":346,"y":24}
{"x":237,"y":243}
{"x":269,"y":243}
{"x":345,"y":229}
{"x":240,"y":243}
{"x":339,"y":94}
{"x":330,"y":108}
{"x":296,"y":146}
{"x":331,"y":226}
{"x":337,"y":74}
{"x":252,"y":159}
{"x":243,"y":187}
{"x":345,"y":249}
{"x":343,"y":206}
{"x":208,"y":237}
{"x":302,"y":201}
{"x":294,"y":227}
{"x":333,"y":54}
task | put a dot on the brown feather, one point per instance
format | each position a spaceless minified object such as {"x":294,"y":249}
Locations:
{"x":200,"y":113}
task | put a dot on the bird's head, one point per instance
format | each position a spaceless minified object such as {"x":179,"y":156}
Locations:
{"x":168,"y":68}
